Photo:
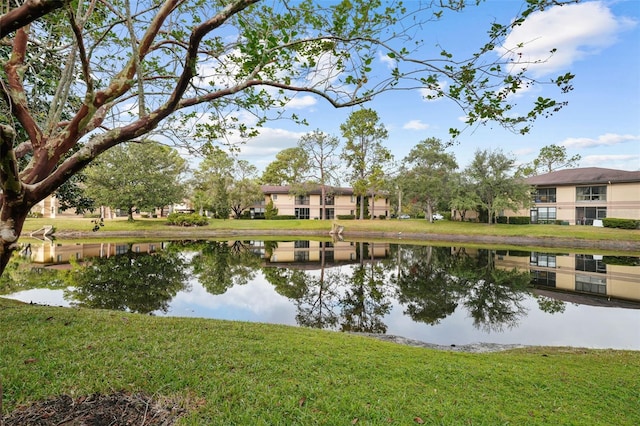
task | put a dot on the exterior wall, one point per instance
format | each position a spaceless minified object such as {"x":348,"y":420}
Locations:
{"x":343,"y":204}
{"x":622,"y":201}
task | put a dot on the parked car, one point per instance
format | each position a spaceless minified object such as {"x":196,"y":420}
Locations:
{"x":437,"y":216}
{"x":404,"y":216}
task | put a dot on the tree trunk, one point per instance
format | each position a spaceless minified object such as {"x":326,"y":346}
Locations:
{"x":11,"y":223}
{"x":130,"y":214}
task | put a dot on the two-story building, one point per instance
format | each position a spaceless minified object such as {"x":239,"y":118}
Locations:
{"x":337,"y":201}
{"x":580,"y":196}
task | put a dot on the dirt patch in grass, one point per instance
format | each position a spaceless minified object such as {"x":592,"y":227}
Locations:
{"x":118,"y":408}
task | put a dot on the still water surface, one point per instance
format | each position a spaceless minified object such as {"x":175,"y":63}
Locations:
{"x":443,"y":295}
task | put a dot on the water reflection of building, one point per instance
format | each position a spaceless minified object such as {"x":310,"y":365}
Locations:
{"x":613,"y":277}
{"x":53,"y":253}
{"x":312,"y":253}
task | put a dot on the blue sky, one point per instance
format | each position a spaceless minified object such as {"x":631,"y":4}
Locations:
{"x":598,"y":41}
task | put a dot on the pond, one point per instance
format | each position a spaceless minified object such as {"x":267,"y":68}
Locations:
{"x":447,"y":295}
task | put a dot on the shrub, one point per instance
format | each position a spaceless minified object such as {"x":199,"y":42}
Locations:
{"x":187,"y":219}
{"x":284,"y":217}
{"x":502,"y":219}
{"x":612,"y":222}
{"x":519,"y":220}
{"x":382,"y":216}
{"x":346,"y":216}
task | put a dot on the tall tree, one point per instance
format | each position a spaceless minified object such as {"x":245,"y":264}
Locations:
{"x":364,"y":153}
{"x":289,"y":168}
{"x":211,"y":182}
{"x":244,"y":190}
{"x":322,"y":152}
{"x":551,"y":158}
{"x":137,"y":175}
{"x":427,"y":174}
{"x":119,"y":72}
{"x":492,"y":175}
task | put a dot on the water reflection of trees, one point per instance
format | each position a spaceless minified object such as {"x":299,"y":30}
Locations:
{"x":425,"y":285}
{"x":220,"y":265}
{"x":21,"y":275}
{"x":355,"y":300}
{"x":135,"y":282}
{"x":433,"y":281}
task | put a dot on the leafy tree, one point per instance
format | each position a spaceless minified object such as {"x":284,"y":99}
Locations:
{"x":463,"y":195}
{"x":245,"y":190}
{"x":551,"y":158}
{"x":427,"y":175}
{"x":111,"y":73}
{"x":136,"y":175}
{"x":364,"y":153}
{"x":289,"y":168}
{"x":211,"y":182}
{"x":494,"y":183}
{"x":322,"y":160}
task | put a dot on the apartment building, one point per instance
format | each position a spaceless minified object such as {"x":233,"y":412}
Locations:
{"x":338,"y":201}
{"x":584,"y":195}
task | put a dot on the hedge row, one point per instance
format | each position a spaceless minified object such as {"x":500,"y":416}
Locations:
{"x":612,"y":222}
{"x":514,"y":220}
{"x":187,"y":219}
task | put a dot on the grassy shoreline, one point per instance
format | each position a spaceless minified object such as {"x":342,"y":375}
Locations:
{"x":228,"y":373}
{"x":408,"y":230}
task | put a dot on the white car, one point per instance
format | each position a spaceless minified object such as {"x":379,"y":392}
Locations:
{"x":404,"y":216}
{"x":437,"y":216}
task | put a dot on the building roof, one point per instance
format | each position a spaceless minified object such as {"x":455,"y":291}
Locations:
{"x":584,"y":176}
{"x":316,"y":189}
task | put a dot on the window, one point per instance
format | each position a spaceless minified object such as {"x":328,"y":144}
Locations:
{"x":301,"y":244}
{"x":544,"y":195}
{"x":329,"y":213}
{"x":590,"y":263}
{"x":329,"y":200}
{"x":542,"y":259}
{"x":591,"y":193}
{"x":543,"y":278}
{"x":301,"y":255}
{"x":274,"y":196}
{"x":591,"y":284}
{"x":302,"y":200}
{"x":121,"y":249}
{"x":586,"y":215}
{"x":302,"y":213}
{"x":543,"y":215}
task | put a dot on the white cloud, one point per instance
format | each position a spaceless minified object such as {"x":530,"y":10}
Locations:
{"x":620,"y":162}
{"x":575,"y":30}
{"x":608,"y":139}
{"x":268,"y":143}
{"x":301,"y":102}
{"x":415,"y":125}
{"x":386,"y":60}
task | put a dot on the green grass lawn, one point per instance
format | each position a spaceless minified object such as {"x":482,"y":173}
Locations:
{"x":416,"y":226}
{"x":236,"y":373}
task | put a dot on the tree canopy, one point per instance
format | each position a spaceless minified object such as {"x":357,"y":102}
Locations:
{"x":427,"y":175}
{"x":137,"y":175}
{"x":80,"y":78}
